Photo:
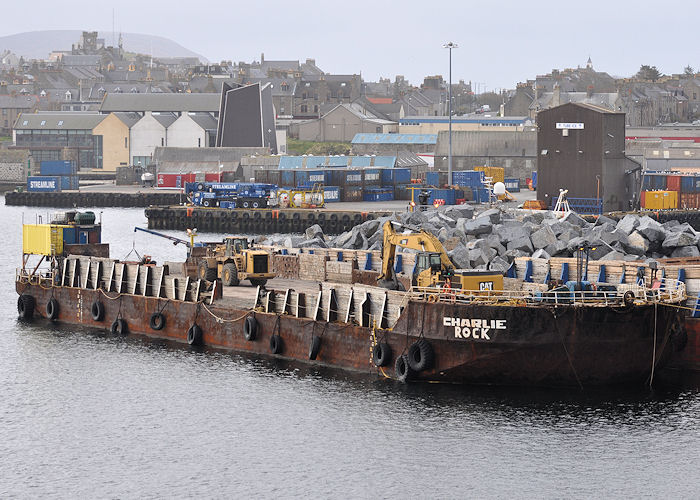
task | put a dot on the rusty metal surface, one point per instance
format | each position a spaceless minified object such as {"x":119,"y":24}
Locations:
{"x":566,"y":346}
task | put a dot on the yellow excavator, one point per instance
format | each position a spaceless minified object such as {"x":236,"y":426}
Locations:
{"x":433,"y":266}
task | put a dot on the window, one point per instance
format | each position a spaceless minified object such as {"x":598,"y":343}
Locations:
{"x":315,"y":97}
{"x":303,"y":95}
{"x":316,"y":108}
{"x":162,"y":141}
{"x":199,"y":142}
{"x":695,"y":95}
{"x":126,"y":143}
{"x":304,"y":108}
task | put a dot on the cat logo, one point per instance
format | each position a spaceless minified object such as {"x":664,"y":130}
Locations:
{"x":486,"y":286}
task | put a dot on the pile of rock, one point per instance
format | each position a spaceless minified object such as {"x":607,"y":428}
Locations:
{"x":493,"y":238}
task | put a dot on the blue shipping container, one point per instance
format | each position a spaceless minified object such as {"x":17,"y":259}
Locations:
{"x":46,"y":184}
{"x":687,"y":184}
{"x":534,"y":180}
{"x":373,"y":177}
{"x":301,"y":177}
{"x":401,"y":175}
{"x":387,"y":177}
{"x":287,"y":178}
{"x":442,"y":194}
{"x":432,"y":178}
{"x":69,"y":182}
{"x":69,"y":235}
{"x":468,"y":178}
{"x":331,"y":194}
{"x":353,"y":177}
{"x":318,"y":177}
{"x":61,"y":167}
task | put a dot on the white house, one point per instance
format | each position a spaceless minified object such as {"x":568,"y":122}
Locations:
{"x":148,"y":133}
{"x":192,"y":130}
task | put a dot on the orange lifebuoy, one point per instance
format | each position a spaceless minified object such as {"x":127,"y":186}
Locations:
{"x":432,"y":298}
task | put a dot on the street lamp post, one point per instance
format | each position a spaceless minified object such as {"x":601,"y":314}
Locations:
{"x":450,"y":46}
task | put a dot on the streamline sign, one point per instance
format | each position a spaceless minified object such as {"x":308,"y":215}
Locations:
{"x":570,"y":126}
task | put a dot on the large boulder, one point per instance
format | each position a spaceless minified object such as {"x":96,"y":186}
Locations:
{"x":651,"y":229}
{"x":636,"y":244}
{"x":628,"y":223}
{"x":679,"y":239}
{"x":689,"y":251}
{"x":460,"y":211}
{"x":493,"y":214}
{"x":543,"y":237}
{"x":314,"y":231}
{"x":557,"y":248}
{"x":313,"y":243}
{"x":602,"y":219}
{"x":508,"y":232}
{"x":614,"y":255}
{"x":481,"y":256}
{"x":575,"y":219}
{"x":523,"y":243}
{"x":451,"y":243}
{"x":499,"y":264}
{"x":613,"y":237}
{"x":481,"y":225}
{"x":344,"y":239}
{"x":540,"y":254}
{"x":460,"y":257}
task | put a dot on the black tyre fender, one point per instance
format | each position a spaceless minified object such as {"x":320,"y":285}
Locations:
{"x":194,"y":335}
{"x":119,"y":327}
{"x":52,"y":309}
{"x":421,"y":355}
{"x":25,"y":306}
{"x":678,"y":337}
{"x":157,"y":321}
{"x":256,"y":204}
{"x":314,"y":347}
{"x":628,"y":298}
{"x":206,"y":203}
{"x":275,"y":344}
{"x":97,"y":310}
{"x":402,"y":369}
{"x":296,"y":216}
{"x":381,"y":354}
{"x":250,"y":328}
{"x":200,"y":186}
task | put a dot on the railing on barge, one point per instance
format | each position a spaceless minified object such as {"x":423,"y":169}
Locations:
{"x":668,"y":291}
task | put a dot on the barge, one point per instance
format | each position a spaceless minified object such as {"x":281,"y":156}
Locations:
{"x":523,"y":334}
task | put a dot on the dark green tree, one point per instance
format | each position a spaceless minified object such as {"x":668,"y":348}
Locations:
{"x":647,"y":72}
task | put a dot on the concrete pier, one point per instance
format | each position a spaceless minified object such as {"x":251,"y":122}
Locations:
{"x":256,"y":221}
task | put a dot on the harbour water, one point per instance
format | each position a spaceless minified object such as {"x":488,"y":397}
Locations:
{"x":85,"y":414}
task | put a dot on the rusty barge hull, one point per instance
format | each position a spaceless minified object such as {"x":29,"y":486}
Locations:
{"x":502,"y":345}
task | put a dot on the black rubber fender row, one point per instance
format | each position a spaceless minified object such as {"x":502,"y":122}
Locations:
{"x":420,"y":357}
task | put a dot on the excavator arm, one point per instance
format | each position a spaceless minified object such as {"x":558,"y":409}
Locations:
{"x":417,"y":240}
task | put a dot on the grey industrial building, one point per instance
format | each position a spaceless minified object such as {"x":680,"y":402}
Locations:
{"x":581,"y":147}
{"x":515,"y":151}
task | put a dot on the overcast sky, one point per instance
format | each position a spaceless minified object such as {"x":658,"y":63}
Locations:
{"x":500,"y":42}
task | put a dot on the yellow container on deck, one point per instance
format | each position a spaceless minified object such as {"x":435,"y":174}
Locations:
{"x":42,"y":239}
{"x":660,"y":200}
{"x":497,"y":173}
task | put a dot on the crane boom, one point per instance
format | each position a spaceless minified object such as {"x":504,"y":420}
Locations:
{"x":175,"y":240}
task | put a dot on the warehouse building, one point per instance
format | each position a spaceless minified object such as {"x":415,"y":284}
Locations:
{"x":515,"y":151}
{"x":581,"y":147}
